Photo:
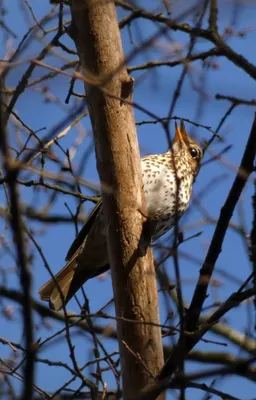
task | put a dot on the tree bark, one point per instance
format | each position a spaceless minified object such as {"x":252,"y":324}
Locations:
{"x":97,"y":37}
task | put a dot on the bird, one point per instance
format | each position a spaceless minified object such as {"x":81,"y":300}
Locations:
{"x":167,"y":182}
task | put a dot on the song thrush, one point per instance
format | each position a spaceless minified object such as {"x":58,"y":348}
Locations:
{"x":167,"y":182}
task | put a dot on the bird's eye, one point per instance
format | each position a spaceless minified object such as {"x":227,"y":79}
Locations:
{"x":193,"y":152}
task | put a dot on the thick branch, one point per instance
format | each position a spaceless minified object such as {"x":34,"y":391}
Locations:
{"x":99,"y":46}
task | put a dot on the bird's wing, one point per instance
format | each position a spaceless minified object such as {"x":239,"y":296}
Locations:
{"x":84,"y":231}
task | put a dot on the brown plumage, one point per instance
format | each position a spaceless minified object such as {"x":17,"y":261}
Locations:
{"x":162,"y":174}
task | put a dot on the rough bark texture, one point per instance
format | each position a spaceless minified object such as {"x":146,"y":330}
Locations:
{"x":97,"y":37}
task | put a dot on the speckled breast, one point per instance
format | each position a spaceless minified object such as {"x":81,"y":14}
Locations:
{"x":167,"y":192}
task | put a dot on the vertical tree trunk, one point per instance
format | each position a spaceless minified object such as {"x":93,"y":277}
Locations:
{"x":97,"y":37}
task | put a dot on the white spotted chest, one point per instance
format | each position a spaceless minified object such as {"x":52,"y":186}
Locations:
{"x":160,"y":187}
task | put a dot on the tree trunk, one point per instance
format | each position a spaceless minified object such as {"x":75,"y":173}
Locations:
{"x":97,"y":37}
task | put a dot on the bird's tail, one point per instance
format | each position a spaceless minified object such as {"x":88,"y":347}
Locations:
{"x":57,"y":290}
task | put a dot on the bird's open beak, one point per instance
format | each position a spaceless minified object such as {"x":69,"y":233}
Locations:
{"x":180,"y":133}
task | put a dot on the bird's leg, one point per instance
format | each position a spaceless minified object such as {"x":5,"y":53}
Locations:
{"x":146,"y":234}
{"x":180,"y":237}
{"x":148,"y":230}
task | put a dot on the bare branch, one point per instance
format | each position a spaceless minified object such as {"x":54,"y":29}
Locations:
{"x":25,"y":275}
{"x":246,"y":167}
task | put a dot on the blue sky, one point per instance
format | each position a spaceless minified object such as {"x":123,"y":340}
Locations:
{"x":154,"y":92}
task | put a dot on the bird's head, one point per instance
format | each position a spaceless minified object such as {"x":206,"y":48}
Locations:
{"x":185,"y":147}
